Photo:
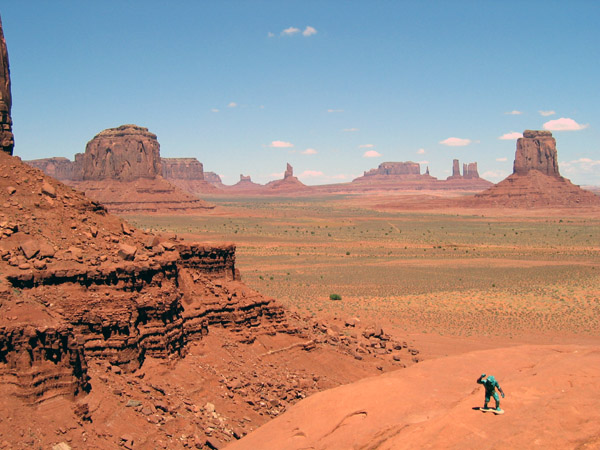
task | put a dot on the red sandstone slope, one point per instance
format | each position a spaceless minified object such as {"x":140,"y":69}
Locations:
{"x":551,"y":402}
{"x":110,"y":336}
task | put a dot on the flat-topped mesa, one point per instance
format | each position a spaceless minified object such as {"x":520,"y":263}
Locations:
{"x":125,"y":153}
{"x":7,"y":140}
{"x":536,"y":150}
{"x":395,"y":168}
{"x":289,"y":171}
{"x":182,"y":169}
{"x":245,"y":178}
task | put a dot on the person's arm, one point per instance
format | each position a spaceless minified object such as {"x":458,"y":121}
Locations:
{"x":479,"y":379}
{"x":501,"y":391}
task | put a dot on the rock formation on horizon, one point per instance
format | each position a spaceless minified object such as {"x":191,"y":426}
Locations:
{"x":182,"y":169}
{"x":122,"y":169}
{"x":125,"y":153}
{"x":214,"y":179}
{"x":395,"y":168}
{"x":187,"y":174}
{"x":536,"y":150}
{"x":535,"y":181}
{"x":63,"y":169}
{"x":470,"y":171}
{"x":7,"y":140}
{"x":289,"y":183}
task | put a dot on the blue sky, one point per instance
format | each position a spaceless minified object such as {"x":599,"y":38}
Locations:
{"x":332,"y":87}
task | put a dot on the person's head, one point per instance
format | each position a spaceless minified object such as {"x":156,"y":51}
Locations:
{"x":491,"y":379}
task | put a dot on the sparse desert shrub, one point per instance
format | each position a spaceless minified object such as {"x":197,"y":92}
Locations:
{"x":335,"y":297}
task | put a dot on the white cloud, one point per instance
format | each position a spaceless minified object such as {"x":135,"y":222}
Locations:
{"x":511,"y":136}
{"x":281,"y":144}
{"x":366,"y":146}
{"x":214,"y":110}
{"x":335,"y":110}
{"x":456,"y":142}
{"x":581,"y":165}
{"x":309,"y":31}
{"x":309,"y":151}
{"x":547,"y":113}
{"x":514,"y":112}
{"x":269,"y":34}
{"x":350,"y":130}
{"x":563,"y":124}
{"x":341,"y":176}
{"x":494,"y":175}
{"x":290,"y":31}
{"x":371,"y":154}
{"x":277,"y":175}
{"x":232,"y":105}
{"x":311,"y":174}
{"x":421,"y":151}
{"x":502,"y":159}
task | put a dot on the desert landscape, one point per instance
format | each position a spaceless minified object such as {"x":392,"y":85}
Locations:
{"x":147,"y":304}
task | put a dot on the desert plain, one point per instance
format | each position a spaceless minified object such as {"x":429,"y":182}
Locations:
{"x":498,"y":275}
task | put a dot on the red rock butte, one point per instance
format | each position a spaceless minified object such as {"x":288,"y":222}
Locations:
{"x":122,"y":169}
{"x":535,"y":181}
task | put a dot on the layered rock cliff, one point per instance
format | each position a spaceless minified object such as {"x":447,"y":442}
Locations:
{"x":7,"y":140}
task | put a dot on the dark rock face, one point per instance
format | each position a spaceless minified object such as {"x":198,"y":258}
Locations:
{"x":395,"y":168}
{"x":182,"y":169}
{"x":245,"y":178}
{"x":536,"y":150}
{"x":7,"y":140}
{"x":125,"y":153}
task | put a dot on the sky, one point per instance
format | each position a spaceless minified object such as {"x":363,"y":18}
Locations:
{"x":333,"y":87}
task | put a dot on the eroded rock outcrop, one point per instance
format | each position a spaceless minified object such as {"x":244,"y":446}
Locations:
{"x":469,"y":172}
{"x":536,"y":150}
{"x":63,"y":169}
{"x":125,"y":153}
{"x":187,"y":174}
{"x":78,"y":284}
{"x":289,"y":183}
{"x":182,"y":169}
{"x":7,"y":140}
{"x":535,"y":181}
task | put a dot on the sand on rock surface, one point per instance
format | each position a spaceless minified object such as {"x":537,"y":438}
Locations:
{"x":551,"y":402}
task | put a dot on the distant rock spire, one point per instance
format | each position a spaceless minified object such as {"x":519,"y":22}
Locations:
{"x":7,"y":140}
